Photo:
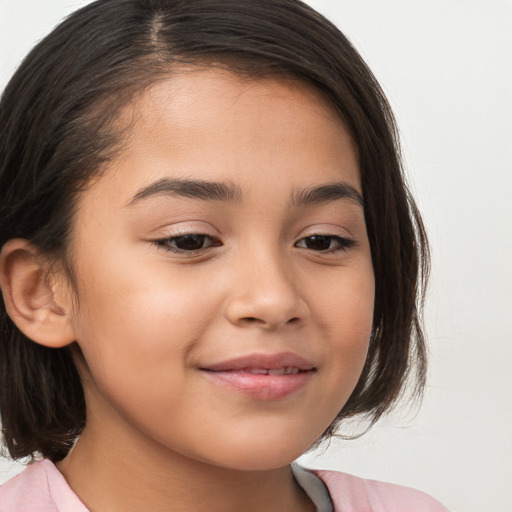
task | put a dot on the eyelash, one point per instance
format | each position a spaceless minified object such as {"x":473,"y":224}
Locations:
{"x":166,"y":243}
{"x":342,"y":244}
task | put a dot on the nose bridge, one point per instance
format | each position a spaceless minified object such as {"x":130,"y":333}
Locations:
{"x":265,"y":291}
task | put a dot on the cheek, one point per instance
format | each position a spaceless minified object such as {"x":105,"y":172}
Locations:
{"x":345,"y":307}
{"x":127,"y":296}
{"x":136,"y":320}
{"x":346,"y":315}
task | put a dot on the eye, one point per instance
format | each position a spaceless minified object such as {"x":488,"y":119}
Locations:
{"x":187,"y":243}
{"x":326,"y":243}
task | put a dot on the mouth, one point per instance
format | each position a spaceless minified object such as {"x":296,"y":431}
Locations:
{"x":289,"y":370}
{"x":262,"y":376}
{"x":263,"y":363}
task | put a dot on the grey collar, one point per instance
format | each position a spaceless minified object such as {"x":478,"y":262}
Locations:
{"x":314,"y":487}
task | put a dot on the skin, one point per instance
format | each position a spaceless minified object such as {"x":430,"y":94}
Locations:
{"x":160,"y":434}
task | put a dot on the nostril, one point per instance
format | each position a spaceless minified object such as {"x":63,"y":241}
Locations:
{"x":251,"y":319}
{"x":254,"y":320}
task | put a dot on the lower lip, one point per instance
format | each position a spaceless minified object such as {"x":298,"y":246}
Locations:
{"x":261,"y":387}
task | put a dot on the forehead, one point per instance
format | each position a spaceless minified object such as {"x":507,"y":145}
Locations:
{"x":215,"y":125}
{"x":191,"y":89}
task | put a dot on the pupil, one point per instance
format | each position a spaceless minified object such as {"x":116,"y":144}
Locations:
{"x":318,"y":243}
{"x":190,"y":242}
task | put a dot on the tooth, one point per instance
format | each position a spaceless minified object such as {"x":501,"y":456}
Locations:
{"x":288,"y":370}
{"x":276,"y":371}
{"x":258,"y":371}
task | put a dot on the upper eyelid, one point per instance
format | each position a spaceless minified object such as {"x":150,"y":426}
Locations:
{"x":206,"y":228}
{"x":340,"y":233}
{"x":168,"y":232}
{"x":191,"y":231}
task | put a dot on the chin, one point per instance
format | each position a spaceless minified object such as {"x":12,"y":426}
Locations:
{"x":260,"y":455}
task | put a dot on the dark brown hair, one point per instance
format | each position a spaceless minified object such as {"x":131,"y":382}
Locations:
{"x":56,"y":131}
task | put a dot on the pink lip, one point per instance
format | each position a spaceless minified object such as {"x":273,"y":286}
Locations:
{"x":236,"y":374}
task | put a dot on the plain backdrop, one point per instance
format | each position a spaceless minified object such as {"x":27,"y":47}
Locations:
{"x":446,"y":66}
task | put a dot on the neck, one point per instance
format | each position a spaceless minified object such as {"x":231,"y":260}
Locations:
{"x":117,"y":474}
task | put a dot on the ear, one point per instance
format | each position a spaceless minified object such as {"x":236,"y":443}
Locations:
{"x":31,"y":297}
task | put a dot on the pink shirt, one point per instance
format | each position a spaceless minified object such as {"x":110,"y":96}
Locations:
{"x":41,"y":488}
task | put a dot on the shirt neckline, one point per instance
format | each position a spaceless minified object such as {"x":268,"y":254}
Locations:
{"x":314,"y":487}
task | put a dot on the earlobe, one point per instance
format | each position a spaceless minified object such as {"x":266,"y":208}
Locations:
{"x":30,"y":298}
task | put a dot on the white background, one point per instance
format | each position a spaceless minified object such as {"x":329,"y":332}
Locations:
{"x":446,"y":66}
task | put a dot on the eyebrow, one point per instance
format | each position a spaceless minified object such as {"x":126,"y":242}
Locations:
{"x":194,"y":189}
{"x":218,"y":191}
{"x":326,"y":193}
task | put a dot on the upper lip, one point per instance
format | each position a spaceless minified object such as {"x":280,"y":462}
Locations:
{"x":262,"y":361}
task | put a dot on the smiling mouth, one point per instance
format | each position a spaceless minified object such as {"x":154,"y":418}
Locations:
{"x":283,"y":363}
{"x":262,"y":377}
{"x":289,"y":370}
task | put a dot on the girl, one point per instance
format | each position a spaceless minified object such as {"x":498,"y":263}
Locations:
{"x":209,"y":261}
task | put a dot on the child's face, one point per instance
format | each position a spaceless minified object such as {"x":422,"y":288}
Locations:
{"x":177,"y":280}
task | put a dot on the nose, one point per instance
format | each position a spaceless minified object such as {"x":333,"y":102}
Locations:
{"x":265,"y":294}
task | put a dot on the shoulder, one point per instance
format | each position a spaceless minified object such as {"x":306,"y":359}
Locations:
{"x":39,"y":487}
{"x":352,"y":494}
{"x":27,"y":491}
